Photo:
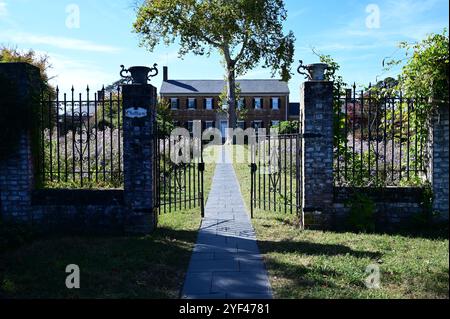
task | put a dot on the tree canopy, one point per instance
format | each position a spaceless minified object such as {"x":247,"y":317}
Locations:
{"x":40,"y":61}
{"x":245,"y":32}
{"x":426,"y":72}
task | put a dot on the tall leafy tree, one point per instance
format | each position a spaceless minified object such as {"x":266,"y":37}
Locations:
{"x":244,"y":32}
{"x":426,"y":71}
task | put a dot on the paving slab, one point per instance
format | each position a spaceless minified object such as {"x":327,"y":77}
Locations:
{"x":226,"y":262}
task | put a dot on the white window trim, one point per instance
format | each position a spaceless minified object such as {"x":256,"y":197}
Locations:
{"x":261,"y":103}
{"x":189,"y":103}
{"x":172,"y":102}
{"x":210,"y":100}
{"x":278,"y":103}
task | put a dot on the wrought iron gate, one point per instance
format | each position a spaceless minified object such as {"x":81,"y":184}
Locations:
{"x":276,"y":174}
{"x":178,"y":186}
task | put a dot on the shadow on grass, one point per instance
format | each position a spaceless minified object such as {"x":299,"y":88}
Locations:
{"x":436,"y":231}
{"x":314,"y":249}
{"x":152,"y":266}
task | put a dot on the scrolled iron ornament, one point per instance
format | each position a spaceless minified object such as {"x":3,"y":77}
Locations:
{"x":139,"y":74}
{"x":307,"y":75}
{"x":155,"y":70}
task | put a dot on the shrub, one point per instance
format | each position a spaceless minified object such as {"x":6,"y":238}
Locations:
{"x":288,"y":127}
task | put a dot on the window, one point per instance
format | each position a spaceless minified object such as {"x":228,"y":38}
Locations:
{"x":241,"y":104}
{"x":257,"y":124}
{"x":209,"y":103}
{"x":191,"y":104}
{"x":241,"y":124}
{"x":174,"y":104}
{"x":258,"y":103}
{"x":275,"y":123}
{"x":190,"y":126}
{"x":209,"y":124}
{"x":275,"y":103}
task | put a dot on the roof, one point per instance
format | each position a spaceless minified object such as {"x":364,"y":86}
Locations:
{"x":216,"y":87}
{"x":294,"y":109}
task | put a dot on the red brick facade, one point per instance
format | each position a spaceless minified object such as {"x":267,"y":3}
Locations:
{"x":182,"y":115}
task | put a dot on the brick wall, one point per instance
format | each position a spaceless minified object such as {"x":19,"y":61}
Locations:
{"x":440,"y":163}
{"x":395,"y":207}
{"x":16,"y":172}
{"x":138,"y":158}
{"x":266,"y":114}
{"x":317,"y":118}
{"x":79,"y":211}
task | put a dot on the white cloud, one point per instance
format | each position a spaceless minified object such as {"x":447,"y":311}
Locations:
{"x":67,"y":71}
{"x":58,"y":42}
{"x":407,"y":11}
{"x":167,"y":58}
{"x":3,"y":9}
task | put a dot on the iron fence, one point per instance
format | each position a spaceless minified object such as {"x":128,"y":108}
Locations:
{"x":179,"y":184}
{"x":276,"y":173}
{"x":381,"y":139}
{"x":81,"y":140}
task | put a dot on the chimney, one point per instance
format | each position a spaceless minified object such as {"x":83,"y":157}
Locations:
{"x":165,"y":73}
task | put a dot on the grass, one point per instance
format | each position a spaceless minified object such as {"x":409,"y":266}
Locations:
{"x":147,"y":267}
{"x":316,"y":264}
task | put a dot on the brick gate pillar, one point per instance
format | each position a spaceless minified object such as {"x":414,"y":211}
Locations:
{"x":440,"y":163}
{"x":316,"y":118}
{"x":16,"y":167}
{"x":139,"y":101}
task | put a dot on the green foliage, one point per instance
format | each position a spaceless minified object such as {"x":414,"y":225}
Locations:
{"x":40,"y":61}
{"x":245,"y":32}
{"x":164,"y":118}
{"x":288,"y":127}
{"x":361,"y":217}
{"x":426,"y":72}
{"x":424,"y":220}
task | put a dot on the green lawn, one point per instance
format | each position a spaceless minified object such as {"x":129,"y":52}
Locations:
{"x":153,"y":266}
{"x":315,"y":264}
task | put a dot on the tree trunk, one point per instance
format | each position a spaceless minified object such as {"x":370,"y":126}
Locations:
{"x":231,"y":97}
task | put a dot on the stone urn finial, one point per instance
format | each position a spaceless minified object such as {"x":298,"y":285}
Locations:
{"x":314,"y":72}
{"x":139,"y":74}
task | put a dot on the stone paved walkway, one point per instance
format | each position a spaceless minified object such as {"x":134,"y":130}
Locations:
{"x":226,"y":262}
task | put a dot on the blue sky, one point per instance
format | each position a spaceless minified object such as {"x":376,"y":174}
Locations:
{"x":92,"y":53}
